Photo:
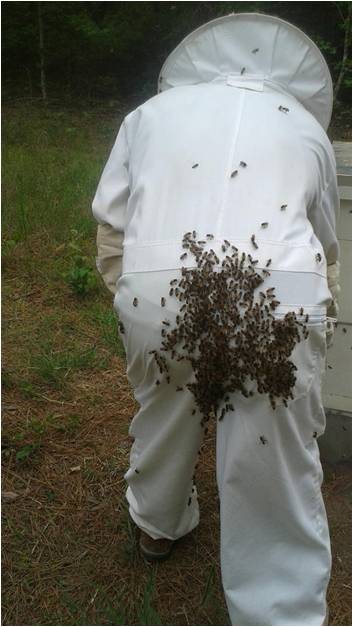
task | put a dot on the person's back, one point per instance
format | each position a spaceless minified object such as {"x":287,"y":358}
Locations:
{"x":234,"y":163}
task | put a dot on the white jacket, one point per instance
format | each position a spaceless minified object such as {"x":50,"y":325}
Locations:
{"x":248,"y":89}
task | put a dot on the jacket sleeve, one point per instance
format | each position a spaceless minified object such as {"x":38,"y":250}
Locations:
{"x":323,"y":215}
{"x":109,"y":208}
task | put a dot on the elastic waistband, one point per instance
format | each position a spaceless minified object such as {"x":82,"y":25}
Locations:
{"x":167,"y":256}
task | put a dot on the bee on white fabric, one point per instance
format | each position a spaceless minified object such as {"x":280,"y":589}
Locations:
{"x":253,"y":241}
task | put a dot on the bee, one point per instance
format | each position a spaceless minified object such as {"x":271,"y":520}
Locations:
{"x":284,"y":109}
{"x":194,"y":234}
{"x":168,"y":379}
{"x":121,"y":328}
{"x":183,"y":256}
{"x":224,"y":248}
{"x":179,"y":389}
{"x":166,"y":322}
{"x":135,"y":302}
{"x":234,"y":173}
{"x":263,"y":439}
{"x":171,"y":292}
{"x":196,"y":165}
{"x":344,"y":330}
{"x":330,"y":367}
{"x":283,"y":207}
{"x":315,"y":434}
{"x":222,"y":414}
{"x":307,"y":318}
{"x":173,"y":282}
{"x":242,"y":70}
{"x":201,"y":242}
{"x":189,"y":501}
{"x":255,"y":50}
{"x":235,"y":249}
{"x":137,"y":471}
{"x":318,"y":257}
{"x":301,"y":311}
{"x":193,"y":412}
{"x":264,"y":225}
{"x":209,"y":236}
{"x":253,"y":241}
{"x":158,"y":382}
{"x":243,"y":164}
{"x":160,"y":79}
{"x":268,"y":262}
{"x":162,"y":301}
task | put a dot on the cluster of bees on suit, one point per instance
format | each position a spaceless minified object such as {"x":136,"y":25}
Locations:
{"x":227,"y":332}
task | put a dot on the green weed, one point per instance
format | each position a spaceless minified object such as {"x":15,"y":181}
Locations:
{"x":27,"y":451}
{"x":107,"y":321}
{"x":54,"y":367}
{"x":147,"y":614}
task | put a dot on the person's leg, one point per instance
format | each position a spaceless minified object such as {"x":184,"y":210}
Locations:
{"x":275,"y":545}
{"x":161,"y":495}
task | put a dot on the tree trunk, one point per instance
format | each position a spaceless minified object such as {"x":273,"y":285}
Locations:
{"x":345,"y":55}
{"x":41,"y":55}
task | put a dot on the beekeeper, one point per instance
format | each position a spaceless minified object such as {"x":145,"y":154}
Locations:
{"x":234,"y":140}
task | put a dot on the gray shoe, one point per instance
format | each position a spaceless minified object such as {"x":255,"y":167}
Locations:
{"x":151,"y":549}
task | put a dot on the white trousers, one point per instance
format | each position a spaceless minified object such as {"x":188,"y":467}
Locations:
{"x":275,"y":545}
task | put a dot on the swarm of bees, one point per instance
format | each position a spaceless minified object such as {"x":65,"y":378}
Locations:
{"x":228,"y":332}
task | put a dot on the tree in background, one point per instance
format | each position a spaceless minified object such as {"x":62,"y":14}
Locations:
{"x":95,"y":51}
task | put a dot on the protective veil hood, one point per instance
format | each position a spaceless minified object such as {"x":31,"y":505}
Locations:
{"x":253,"y":51}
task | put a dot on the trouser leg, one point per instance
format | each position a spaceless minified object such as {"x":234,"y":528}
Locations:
{"x":161,"y":495}
{"x":275,"y":545}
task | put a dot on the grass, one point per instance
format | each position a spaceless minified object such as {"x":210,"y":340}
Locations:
{"x":70,"y":548}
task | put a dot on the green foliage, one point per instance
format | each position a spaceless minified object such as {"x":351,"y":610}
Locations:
{"x":27,"y":451}
{"x":81,"y":276}
{"x":147,"y":614}
{"x":96,"y":50}
{"x":107,"y":321}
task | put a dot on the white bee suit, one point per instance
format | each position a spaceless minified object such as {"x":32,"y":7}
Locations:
{"x":244,"y":89}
